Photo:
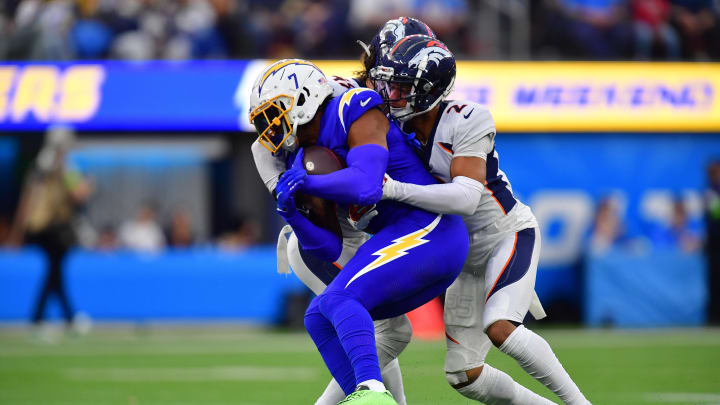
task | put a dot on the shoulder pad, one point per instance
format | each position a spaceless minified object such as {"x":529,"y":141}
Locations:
{"x":341,"y":85}
{"x":470,"y":116}
{"x":354,"y":103}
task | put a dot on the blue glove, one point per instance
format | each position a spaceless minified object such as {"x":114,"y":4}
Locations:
{"x":285,"y":190}
{"x":318,"y":241}
{"x":298,"y":162}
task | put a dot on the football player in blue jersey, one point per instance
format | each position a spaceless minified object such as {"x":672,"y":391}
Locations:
{"x":413,"y":255}
{"x":391,"y":335}
{"x":486,"y":305}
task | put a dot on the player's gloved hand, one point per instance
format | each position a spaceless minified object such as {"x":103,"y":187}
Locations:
{"x":360,"y":217}
{"x":390,"y":188}
{"x":297,"y":164}
{"x":285,"y":190}
{"x":297,"y":168}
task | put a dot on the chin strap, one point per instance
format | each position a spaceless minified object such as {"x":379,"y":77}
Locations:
{"x":364,"y":46}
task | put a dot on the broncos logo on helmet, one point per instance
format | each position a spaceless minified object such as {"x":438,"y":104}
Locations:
{"x":391,"y":32}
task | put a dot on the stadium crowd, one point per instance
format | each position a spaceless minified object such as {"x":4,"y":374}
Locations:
{"x":482,"y":29}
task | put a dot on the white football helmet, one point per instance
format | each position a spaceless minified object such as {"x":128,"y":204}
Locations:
{"x":286,"y":94}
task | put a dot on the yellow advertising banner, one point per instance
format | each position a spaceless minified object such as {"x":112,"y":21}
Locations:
{"x":587,"y":96}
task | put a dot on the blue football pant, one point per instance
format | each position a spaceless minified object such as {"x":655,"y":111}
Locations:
{"x":400,"y":268}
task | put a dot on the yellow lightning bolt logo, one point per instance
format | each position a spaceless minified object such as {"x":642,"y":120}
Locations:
{"x":345,"y":101}
{"x":397,"y":249}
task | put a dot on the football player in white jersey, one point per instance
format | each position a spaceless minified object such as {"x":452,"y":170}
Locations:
{"x":489,"y":300}
{"x":391,"y":335}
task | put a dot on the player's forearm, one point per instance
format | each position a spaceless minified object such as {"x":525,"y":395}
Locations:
{"x":320,"y":242}
{"x":269,"y":167}
{"x":360,"y":183}
{"x":461,"y":197}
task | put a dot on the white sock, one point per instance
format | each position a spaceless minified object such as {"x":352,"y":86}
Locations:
{"x":536,"y":357}
{"x":332,"y":394}
{"x":393,"y":381}
{"x":390,"y":374}
{"x":493,"y":387}
{"x":391,"y":337}
{"x":374,"y":385}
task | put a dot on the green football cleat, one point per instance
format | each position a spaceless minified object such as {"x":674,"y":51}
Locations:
{"x":364,"y":396}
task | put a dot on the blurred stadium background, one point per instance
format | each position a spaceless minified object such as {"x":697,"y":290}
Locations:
{"x":608,"y":113}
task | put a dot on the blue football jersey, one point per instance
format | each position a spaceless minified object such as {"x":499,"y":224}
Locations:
{"x":403,"y":165}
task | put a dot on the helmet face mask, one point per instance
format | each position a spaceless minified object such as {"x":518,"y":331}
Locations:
{"x":272,"y":123}
{"x":401,"y":93}
{"x":422,"y":67}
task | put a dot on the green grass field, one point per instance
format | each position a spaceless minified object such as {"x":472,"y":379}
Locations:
{"x":233,"y":365}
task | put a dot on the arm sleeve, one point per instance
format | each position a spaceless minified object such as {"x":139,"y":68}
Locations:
{"x":360,"y":183}
{"x":269,"y":167}
{"x":461,"y":197}
{"x":320,"y":242}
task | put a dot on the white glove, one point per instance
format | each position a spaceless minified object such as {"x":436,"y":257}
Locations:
{"x":390,"y":188}
{"x":360,"y":217}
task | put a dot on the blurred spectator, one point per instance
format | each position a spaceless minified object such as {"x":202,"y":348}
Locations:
{"x":197,"y":29}
{"x":107,"y":240}
{"x":697,"y":22}
{"x":607,"y":230}
{"x":651,"y":22}
{"x":4,"y":230}
{"x":143,"y":233}
{"x":591,"y":29}
{"x":677,"y":233}
{"x":448,"y":19}
{"x":232,"y":25}
{"x":181,"y":233}
{"x":48,"y":203}
{"x":712,"y":245}
{"x":241,"y":234}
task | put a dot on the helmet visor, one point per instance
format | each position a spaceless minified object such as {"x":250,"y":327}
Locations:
{"x":272,"y":123}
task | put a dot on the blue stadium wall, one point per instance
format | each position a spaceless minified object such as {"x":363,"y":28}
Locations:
{"x":561,"y":176}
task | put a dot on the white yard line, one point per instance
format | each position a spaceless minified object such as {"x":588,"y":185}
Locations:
{"x":190,"y":374}
{"x":90,"y":351}
{"x":683,"y":397}
{"x":169,"y":342}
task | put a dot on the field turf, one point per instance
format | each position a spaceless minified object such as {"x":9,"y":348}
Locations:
{"x":217,"y":365}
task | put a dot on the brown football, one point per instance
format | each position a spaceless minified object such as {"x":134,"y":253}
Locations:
{"x":320,"y":160}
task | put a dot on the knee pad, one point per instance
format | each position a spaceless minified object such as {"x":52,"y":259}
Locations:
{"x":391,"y":337}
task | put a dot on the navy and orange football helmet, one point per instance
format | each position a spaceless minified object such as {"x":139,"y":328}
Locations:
{"x":416,"y":74}
{"x":391,"y":32}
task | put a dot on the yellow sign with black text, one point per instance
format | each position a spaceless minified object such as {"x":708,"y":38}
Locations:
{"x":587,"y":96}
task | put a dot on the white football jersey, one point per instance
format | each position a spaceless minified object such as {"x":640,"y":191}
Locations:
{"x":466,"y":128}
{"x":270,"y":167}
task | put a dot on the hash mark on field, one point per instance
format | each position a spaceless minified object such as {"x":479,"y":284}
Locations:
{"x":230,"y":373}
